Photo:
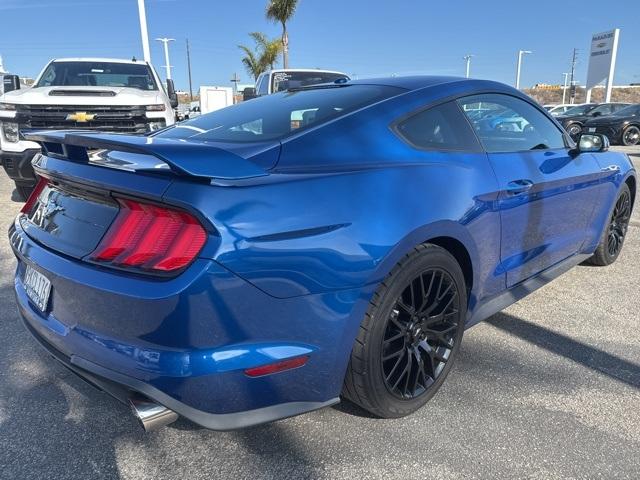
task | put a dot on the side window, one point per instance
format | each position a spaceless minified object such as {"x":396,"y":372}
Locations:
{"x":263,"y":85}
{"x":438,"y":128}
{"x":508,"y":124}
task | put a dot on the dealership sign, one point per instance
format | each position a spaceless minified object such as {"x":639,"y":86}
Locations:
{"x":602,"y":60}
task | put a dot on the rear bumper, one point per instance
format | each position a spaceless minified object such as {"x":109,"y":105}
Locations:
{"x":18,"y":166}
{"x":185,"y":342}
{"x":123,"y":387}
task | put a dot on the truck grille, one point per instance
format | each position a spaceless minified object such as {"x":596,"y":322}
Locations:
{"x":121,"y":119}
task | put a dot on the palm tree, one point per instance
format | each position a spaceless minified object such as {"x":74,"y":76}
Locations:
{"x":282,"y":11}
{"x":263,"y":57}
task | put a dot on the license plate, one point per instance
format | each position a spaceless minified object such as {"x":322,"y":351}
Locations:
{"x":592,"y":129}
{"x":38,"y":287}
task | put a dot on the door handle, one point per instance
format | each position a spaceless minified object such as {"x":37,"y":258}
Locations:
{"x":518,"y":187}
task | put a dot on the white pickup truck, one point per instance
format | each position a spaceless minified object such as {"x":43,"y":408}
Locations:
{"x":96,"y":94}
{"x":278,"y":80}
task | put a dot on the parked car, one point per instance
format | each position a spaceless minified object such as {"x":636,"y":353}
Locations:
{"x":278,"y":80}
{"x":561,"y":109}
{"x":268,"y":258}
{"x":120,"y":96}
{"x":622,"y":127}
{"x":573,"y":119}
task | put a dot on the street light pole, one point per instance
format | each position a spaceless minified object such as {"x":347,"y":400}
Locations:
{"x":468,"y":60}
{"x":564,"y":88}
{"x":143,"y":31}
{"x":520,"y":54}
{"x":167,"y":65}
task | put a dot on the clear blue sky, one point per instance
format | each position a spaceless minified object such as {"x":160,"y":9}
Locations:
{"x":360,"y":37}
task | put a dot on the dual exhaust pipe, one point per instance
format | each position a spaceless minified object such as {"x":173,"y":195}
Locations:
{"x":151,"y":415}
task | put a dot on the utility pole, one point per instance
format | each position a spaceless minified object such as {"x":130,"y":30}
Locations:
{"x":167,"y":65}
{"x":564,"y":88}
{"x":189,"y":68}
{"x":572,"y":84}
{"x":467,"y":58}
{"x":143,"y":31}
{"x":235,"y":80}
{"x":520,"y":54}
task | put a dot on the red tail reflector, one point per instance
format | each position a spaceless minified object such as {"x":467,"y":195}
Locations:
{"x":151,"y":237}
{"x":33,"y":198}
{"x":276,"y":367}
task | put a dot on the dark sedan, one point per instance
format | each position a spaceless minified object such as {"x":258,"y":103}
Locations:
{"x":573,"y":119}
{"x":623,"y":127}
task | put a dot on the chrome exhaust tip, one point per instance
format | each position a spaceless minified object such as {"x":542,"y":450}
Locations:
{"x":150,"y":414}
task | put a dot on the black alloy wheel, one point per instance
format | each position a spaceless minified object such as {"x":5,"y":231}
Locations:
{"x":410,"y":335}
{"x":613,"y":238}
{"x":420,"y":334}
{"x":619,"y":223}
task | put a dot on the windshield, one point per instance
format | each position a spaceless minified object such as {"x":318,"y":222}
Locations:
{"x":629,"y":111}
{"x":97,"y":74}
{"x":276,"y":116}
{"x":282,"y":81}
{"x":579,"y":110}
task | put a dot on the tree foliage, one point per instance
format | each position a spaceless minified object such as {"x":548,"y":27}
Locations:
{"x":263,"y":56}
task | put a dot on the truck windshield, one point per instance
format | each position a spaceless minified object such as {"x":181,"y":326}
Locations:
{"x":276,"y":116}
{"x":97,"y":74}
{"x":285,"y":80}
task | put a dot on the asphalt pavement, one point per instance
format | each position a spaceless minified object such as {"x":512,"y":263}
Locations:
{"x":550,"y":388}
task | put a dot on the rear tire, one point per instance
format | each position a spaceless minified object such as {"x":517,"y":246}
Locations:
{"x":574,"y":130}
{"x":410,"y":335}
{"x":631,"y":136}
{"x":612,"y":240}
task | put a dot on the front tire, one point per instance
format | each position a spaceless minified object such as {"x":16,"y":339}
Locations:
{"x":410,"y":335}
{"x":612,"y":240}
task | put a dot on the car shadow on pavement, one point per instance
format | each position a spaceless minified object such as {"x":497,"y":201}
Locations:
{"x":591,"y":357}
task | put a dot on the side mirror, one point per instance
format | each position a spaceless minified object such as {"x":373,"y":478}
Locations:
{"x":11,"y":83}
{"x":593,"y":142}
{"x":171,"y":92}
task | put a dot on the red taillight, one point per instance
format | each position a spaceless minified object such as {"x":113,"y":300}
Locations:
{"x":150,"y":237}
{"x":33,"y":198}
{"x":276,"y":367}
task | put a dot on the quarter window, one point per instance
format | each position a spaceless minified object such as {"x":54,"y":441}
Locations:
{"x":508,"y":124}
{"x":438,"y":128}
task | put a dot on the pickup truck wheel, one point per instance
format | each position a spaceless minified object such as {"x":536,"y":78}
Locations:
{"x":410,"y":335}
{"x":23,"y":191}
{"x":613,"y":238}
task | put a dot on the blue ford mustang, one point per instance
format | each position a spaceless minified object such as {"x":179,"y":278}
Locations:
{"x":263,"y":260}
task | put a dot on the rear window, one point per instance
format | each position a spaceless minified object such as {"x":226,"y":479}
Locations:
{"x":279,"y":115}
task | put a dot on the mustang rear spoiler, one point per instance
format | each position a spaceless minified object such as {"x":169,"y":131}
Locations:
{"x":183,"y":158}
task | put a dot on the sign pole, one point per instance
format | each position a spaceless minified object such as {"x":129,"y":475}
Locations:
{"x":612,"y":66}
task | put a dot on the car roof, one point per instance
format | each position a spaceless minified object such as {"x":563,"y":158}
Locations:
{"x":410,"y":82}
